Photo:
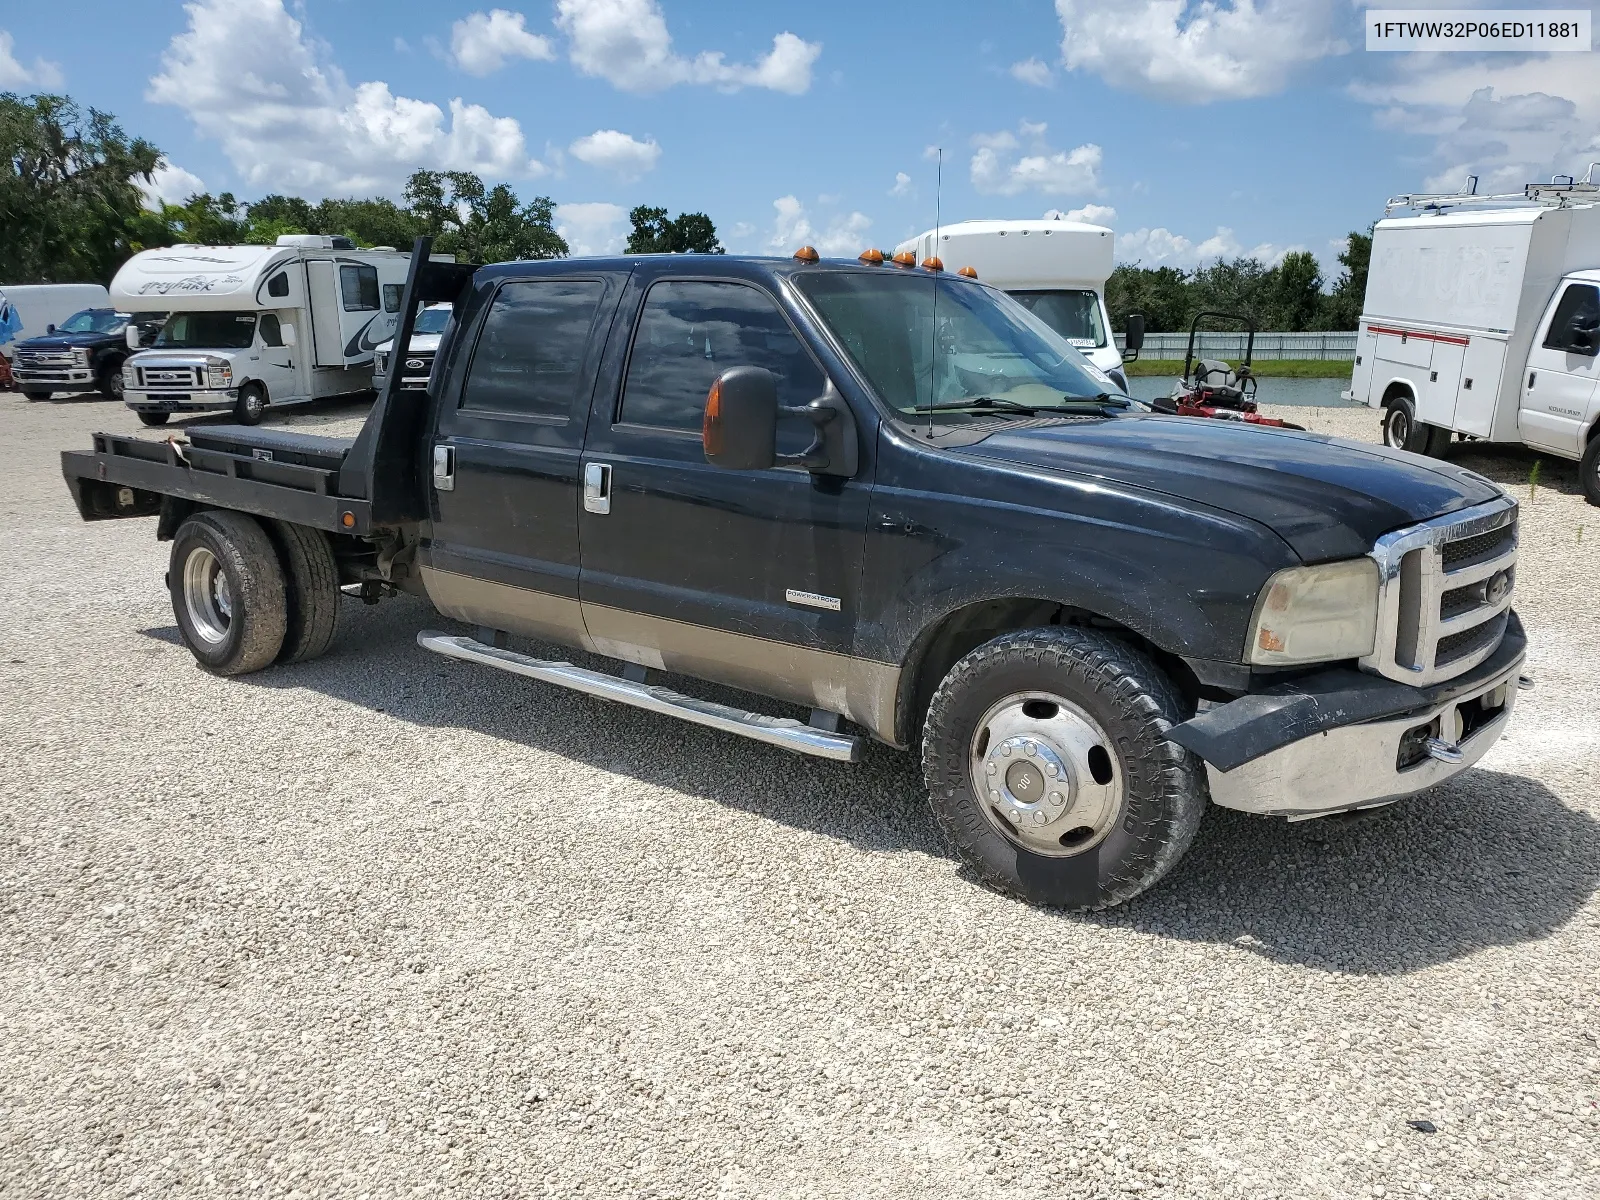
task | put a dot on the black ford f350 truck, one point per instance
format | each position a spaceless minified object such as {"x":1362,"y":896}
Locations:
{"x":891,"y":496}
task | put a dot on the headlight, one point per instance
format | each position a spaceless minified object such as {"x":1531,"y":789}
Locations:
{"x":380,"y":362}
{"x":1316,"y":614}
{"x":219,"y":374}
{"x":80,"y":356}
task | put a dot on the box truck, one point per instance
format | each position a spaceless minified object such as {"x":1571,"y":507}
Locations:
{"x":1056,"y":267}
{"x":1482,"y":320}
{"x":250,"y":326}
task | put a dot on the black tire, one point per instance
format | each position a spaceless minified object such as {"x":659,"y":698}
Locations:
{"x":1589,"y":469}
{"x":240,"y":630}
{"x":36,"y":395}
{"x":312,"y":576}
{"x":111,"y":381}
{"x":1403,"y":431}
{"x":252,"y":404}
{"x":155,"y":418}
{"x":1162,"y":786}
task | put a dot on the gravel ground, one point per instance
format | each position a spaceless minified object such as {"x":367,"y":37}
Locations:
{"x":386,"y":925}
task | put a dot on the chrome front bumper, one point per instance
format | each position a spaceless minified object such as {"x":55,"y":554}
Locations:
{"x":1358,"y":766}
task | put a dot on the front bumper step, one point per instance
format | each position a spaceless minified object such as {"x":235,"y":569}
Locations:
{"x":774,"y":731}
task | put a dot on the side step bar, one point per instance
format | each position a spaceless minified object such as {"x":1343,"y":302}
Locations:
{"x":775,"y":731}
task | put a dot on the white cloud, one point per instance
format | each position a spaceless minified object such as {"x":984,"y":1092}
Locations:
{"x":481,"y":43}
{"x":170,"y":184}
{"x":290,"y":121}
{"x":902,"y":185}
{"x":1161,"y":247}
{"x":1093,"y":214}
{"x":626,"y":43}
{"x":1197,"y":51}
{"x":612,"y":150}
{"x":592,"y":228}
{"x":45,"y":75}
{"x":843,"y":237}
{"x":1005,"y":164}
{"x":1032,"y":71}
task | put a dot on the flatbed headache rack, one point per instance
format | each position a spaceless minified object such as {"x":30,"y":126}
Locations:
{"x":352,"y":487}
{"x":1560,"y":192}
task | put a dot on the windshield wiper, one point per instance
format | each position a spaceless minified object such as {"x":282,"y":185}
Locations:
{"x":1104,"y":399}
{"x":1072,"y":405}
{"x":989,"y":402}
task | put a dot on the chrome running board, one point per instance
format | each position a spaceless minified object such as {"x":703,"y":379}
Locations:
{"x":774,"y":731}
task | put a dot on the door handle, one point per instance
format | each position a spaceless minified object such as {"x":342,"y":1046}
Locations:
{"x":1531,"y":376}
{"x":444,"y":468}
{"x":597,"y":487}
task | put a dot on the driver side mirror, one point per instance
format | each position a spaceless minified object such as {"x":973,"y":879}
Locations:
{"x":1583,"y":335}
{"x":286,"y":332}
{"x":49,"y":329}
{"x":1134,"y":339}
{"x":131,"y":336}
{"x":740,"y":428}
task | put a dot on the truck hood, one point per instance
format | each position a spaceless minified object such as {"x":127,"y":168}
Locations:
{"x":1328,"y":498}
{"x":68,"y":341}
{"x":426,"y":342}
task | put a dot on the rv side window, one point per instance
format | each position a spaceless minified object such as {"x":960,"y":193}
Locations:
{"x":391,"y":296}
{"x":530,"y":354}
{"x":278,"y":285}
{"x":359,"y":288}
{"x":1579,"y":303}
{"x":271,"y":331}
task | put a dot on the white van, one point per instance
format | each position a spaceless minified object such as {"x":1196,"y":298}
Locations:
{"x":1057,"y":268}
{"x":1482,"y":319}
{"x":251,"y":326}
{"x":40,"y":305}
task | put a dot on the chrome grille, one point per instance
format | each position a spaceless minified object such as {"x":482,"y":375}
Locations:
{"x":41,"y":358}
{"x":171,"y":377}
{"x":1445,"y":588}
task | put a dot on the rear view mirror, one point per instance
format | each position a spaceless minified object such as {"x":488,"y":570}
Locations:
{"x":286,"y":331}
{"x":1134,"y":339}
{"x":131,"y":335}
{"x":740,"y":430}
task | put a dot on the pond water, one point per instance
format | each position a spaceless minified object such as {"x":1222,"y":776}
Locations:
{"x":1299,"y":393}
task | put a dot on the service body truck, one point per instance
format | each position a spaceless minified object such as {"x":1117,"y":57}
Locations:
{"x":251,"y":326}
{"x":1482,"y":318}
{"x":1056,"y":268}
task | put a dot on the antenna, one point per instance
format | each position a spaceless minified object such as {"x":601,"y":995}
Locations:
{"x":933,"y":280}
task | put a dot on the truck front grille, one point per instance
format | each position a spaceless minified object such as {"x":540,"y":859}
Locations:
{"x":1445,"y":589}
{"x":186,"y":378}
{"x":39,"y":359}
{"x":415,"y":369}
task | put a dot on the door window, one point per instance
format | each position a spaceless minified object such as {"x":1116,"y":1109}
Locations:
{"x":690,"y":332}
{"x":1580,"y":303}
{"x":358,"y":288}
{"x":391,"y":296}
{"x":529,"y":357}
{"x":271,"y":330}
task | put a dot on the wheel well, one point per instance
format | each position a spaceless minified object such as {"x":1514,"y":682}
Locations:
{"x":1394,"y":391}
{"x":951,"y":639}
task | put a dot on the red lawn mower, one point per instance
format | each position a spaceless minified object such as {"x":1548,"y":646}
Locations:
{"x":1209,"y":387}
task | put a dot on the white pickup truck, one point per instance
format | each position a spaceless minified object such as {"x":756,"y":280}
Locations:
{"x":1482,"y":320}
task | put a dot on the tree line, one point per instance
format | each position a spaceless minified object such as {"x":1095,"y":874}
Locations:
{"x":1288,"y":298}
{"x":72,"y":208}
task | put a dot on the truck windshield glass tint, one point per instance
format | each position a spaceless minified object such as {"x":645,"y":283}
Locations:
{"x":691,"y":332}
{"x":208,"y":330}
{"x":92,"y":320}
{"x":432,"y":320}
{"x":530,"y":352}
{"x":359,"y":287}
{"x":1579,"y":301}
{"x":1074,"y":314}
{"x":985,"y":343}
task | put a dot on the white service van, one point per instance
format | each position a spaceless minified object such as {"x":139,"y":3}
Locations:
{"x":1055,"y":267}
{"x":1482,"y":319}
{"x":251,"y":326}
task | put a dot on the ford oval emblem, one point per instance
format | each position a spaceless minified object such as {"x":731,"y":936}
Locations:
{"x":415,"y":364}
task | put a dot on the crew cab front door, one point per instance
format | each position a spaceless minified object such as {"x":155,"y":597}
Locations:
{"x":747,"y":577}
{"x":503,"y":550}
{"x":1563,"y":373}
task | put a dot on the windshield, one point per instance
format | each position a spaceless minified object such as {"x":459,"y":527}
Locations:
{"x":986,"y":348}
{"x":433,"y":320}
{"x":93,"y":320}
{"x":207,"y":331}
{"x":1073,"y":313}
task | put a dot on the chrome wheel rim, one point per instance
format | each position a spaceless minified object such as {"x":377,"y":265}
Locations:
{"x":1397,"y":428}
{"x":1046,"y":774}
{"x":207,"y":596}
{"x":253,"y":403}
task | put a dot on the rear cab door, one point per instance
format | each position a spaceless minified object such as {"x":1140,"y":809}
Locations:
{"x":520,"y":369}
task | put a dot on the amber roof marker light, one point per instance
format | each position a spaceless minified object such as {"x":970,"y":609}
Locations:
{"x":873,"y":258}
{"x":807,"y":254}
{"x":933,"y":264}
{"x":968,"y":273}
{"x":905,"y":259}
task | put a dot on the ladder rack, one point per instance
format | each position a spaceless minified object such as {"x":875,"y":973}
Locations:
{"x":1560,"y":192}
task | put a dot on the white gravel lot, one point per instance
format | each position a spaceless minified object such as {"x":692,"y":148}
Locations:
{"x":386,"y":925}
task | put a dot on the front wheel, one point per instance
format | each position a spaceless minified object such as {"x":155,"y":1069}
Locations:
{"x":251,"y":405}
{"x":111,"y":382}
{"x":1589,"y":470}
{"x":155,"y":418}
{"x":1048,"y":766}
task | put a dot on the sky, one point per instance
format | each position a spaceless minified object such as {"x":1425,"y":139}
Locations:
{"x":1194,"y":129}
